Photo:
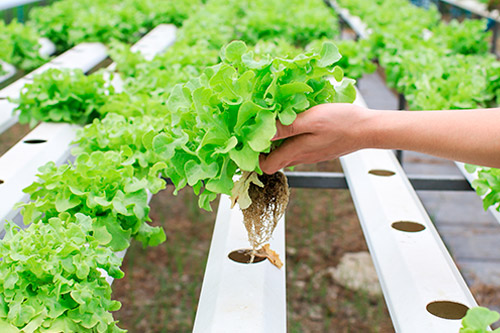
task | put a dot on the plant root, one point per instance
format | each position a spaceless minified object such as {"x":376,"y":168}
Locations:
{"x":268,"y":206}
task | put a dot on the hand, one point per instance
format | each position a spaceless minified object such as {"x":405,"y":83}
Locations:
{"x":321,"y":133}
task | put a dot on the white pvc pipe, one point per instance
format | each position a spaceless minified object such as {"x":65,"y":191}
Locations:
{"x":359,"y":27}
{"x":9,"y":71}
{"x":84,"y":56}
{"x":414,"y":268}
{"x":239,"y":297}
{"x":7,"y":4}
{"x":19,"y":165}
{"x":47,"y":47}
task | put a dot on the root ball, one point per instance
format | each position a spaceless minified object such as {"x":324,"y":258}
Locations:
{"x":268,"y":206}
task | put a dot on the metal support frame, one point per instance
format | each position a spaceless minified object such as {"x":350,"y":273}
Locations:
{"x":337,"y":180}
{"x":494,"y":29}
{"x":402,"y":107}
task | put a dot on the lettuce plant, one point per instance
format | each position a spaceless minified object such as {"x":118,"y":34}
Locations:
{"x":52,"y":278}
{"x":478,"y":319}
{"x":63,"y":96}
{"x":223,"y":120}
{"x":102,"y":185}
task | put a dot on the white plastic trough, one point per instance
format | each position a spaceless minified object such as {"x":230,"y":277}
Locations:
{"x":413,"y":265}
{"x":84,"y":56}
{"x":239,"y":297}
{"x":475,"y":7}
{"x":18,"y":167}
{"x":7,"y":4}
{"x":156,"y":41}
{"x":47,"y":47}
{"x":356,"y":24}
{"x":9,"y":70}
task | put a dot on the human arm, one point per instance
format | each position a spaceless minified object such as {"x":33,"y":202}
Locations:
{"x":328,"y":131}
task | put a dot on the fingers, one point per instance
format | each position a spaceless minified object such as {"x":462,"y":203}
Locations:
{"x":289,"y":151}
{"x":299,"y":126}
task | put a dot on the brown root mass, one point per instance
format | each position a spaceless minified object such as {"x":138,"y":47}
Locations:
{"x":268,"y":206}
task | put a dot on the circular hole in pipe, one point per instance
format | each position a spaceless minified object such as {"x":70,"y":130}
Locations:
{"x":381,"y":172}
{"x":447,"y":309}
{"x":1,"y":181}
{"x":244,"y":256}
{"x":34,"y":141}
{"x":408,"y":226}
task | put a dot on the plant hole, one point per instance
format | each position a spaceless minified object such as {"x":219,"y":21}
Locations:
{"x":408,"y":226}
{"x":447,"y":309}
{"x":34,"y":141}
{"x":381,"y":172}
{"x":243,"y":256}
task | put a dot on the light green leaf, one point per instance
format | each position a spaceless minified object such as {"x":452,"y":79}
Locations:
{"x":329,"y":55}
{"x":345,"y":92}
{"x":478,"y":319}
{"x":245,"y":158}
{"x":234,"y":50}
{"x":263,"y":131}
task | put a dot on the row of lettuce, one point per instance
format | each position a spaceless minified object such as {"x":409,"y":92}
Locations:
{"x":67,"y":23}
{"x":195,"y":114}
{"x":435,"y":65}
